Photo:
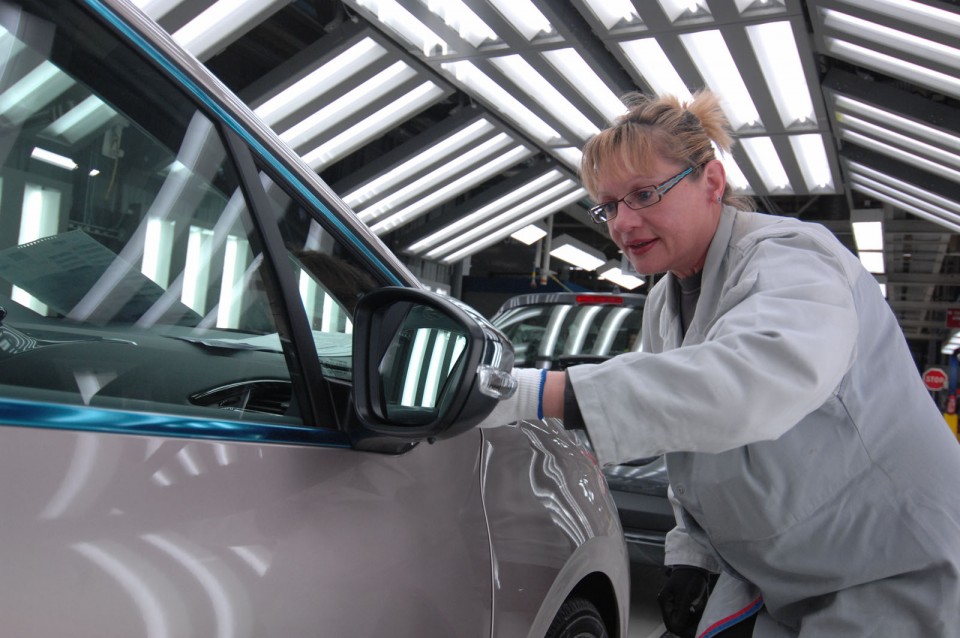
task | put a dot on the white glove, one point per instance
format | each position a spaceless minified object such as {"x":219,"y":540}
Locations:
{"x":524,"y":404}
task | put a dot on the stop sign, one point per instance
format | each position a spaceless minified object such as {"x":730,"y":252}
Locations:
{"x":935,"y":379}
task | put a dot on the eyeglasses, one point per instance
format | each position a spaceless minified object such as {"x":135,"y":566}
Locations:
{"x":636,"y":200}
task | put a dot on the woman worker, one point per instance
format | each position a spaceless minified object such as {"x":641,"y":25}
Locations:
{"x":808,"y":465}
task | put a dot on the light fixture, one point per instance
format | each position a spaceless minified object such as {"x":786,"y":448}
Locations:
{"x":346,"y":105}
{"x":586,"y":82}
{"x":765,"y":160}
{"x":53,"y":159}
{"x":922,"y":148}
{"x":319,"y":81}
{"x":911,"y":204}
{"x":570,"y":156}
{"x":891,"y":38}
{"x":429,"y":181}
{"x":776,"y":51}
{"x":505,"y":221}
{"x":385,"y":118}
{"x":526,"y":78}
{"x":85,"y":118}
{"x":530,"y":234}
{"x":867,"y":228}
{"x":575,"y":252}
{"x":917,"y":13}
{"x":497,"y":233}
{"x":652,"y":64}
{"x":676,"y":9}
{"x":612,"y":272}
{"x":872,"y":261}
{"x":33,"y":92}
{"x":613,"y":13}
{"x":525,"y":17}
{"x":403,"y":23}
{"x":900,"y":154}
{"x":222,"y":23}
{"x":896,"y":67}
{"x":463,"y":20}
{"x":479,"y":83}
{"x":452,"y":189}
{"x":912,"y":128}
{"x":710,"y":53}
{"x":811,"y":155}
{"x":474,"y":217}
{"x":449,"y":145}
{"x":947,"y":206}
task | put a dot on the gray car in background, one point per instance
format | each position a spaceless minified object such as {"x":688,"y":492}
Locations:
{"x":555,"y":330}
{"x":226,"y":409}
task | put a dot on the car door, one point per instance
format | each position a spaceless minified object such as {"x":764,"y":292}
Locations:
{"x":175,"y":354}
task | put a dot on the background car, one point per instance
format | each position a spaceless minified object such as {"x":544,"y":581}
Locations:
{"x":555,"y":330}
{"x":226,"y":409}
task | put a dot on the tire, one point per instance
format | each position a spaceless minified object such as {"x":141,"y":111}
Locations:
{"x":577,"y":618}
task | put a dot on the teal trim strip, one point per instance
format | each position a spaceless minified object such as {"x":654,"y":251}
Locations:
{"x":270,"y":158}
{"x":54,"y":416}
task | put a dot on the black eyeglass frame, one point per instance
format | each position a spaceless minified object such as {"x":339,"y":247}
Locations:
{"x":599,"y":215}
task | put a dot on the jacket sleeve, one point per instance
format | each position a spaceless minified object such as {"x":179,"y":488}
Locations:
{"x":779,"y":339}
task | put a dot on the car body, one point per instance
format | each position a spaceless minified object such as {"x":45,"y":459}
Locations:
{"x":226,"y":409}
{"x":555,"y":330}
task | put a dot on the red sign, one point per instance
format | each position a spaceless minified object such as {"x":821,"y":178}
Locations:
{"x":953,"y":317}
{"x":935,"y":379}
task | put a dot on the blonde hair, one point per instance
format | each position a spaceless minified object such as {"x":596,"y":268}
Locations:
{"x":660,"y":128}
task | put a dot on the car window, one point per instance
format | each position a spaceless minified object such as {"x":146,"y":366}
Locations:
{"x":131,"y":275}
{"x":542,"y":333}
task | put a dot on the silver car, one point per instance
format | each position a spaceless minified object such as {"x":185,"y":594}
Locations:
{"x":226,"y":409}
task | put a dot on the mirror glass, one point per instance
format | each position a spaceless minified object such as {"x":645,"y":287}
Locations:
{"x":422,"y":366}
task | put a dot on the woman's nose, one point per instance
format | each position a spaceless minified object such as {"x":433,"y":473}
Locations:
{"x":626,"y":218}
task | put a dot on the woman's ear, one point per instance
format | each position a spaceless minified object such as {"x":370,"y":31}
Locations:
{"x":715,"y":178}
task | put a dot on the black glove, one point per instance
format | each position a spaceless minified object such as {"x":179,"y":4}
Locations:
{"x":683,"y":599}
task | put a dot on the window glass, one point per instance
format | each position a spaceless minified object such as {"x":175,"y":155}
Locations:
{"x":130,"y":273}
{"x":330,"y":278}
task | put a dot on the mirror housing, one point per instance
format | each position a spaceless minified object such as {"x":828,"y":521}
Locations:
{"x":425,"y":366}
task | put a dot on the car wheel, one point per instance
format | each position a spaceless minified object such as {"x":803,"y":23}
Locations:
{"x":577,"y":618}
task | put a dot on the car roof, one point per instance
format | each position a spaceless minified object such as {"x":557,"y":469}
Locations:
{"x":573,"y":298}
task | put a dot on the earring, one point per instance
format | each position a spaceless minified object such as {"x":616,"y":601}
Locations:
{"x":719,"y":198}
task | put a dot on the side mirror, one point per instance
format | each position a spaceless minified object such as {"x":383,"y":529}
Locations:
{"x":425,"y":366}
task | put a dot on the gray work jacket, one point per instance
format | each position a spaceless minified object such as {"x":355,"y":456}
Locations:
{"x":806,"y":458}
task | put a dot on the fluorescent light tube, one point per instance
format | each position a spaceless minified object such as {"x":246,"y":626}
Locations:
{"x":53,"y":159}
{"x":469,"y":75}
{"x":428,"y":182}
{"x":496,"y":235}
{"x":524,"y":16}
{"x":451,"y":190}
{"x":574,"y":251}
{"x":319,"y":81}
{"x":586,"y":82}
{"x":652,"y":64}
{"x":404,"y":24}
{"x":444,"y":148}
{"x":523,"y":192}
{"x":872,"y":261}
{"x":896,"y":121}
{"x":812,"y":156}
{"x":612,"y":12}
{"x":362,"y":132}
{"x":529,"y":234}
{"x":776,"y":51}
{"x":765,"y":160}
{"x":465,"y":22}
{"x":526,"y":78}
{"x":710,"y":53}
{"x":504,"y":219}
{"x":897,"y":153}
{"x":868,"y":235}
{"x":943,"y":82}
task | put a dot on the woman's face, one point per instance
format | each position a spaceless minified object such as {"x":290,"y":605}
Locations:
{"x":673,"y":234}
